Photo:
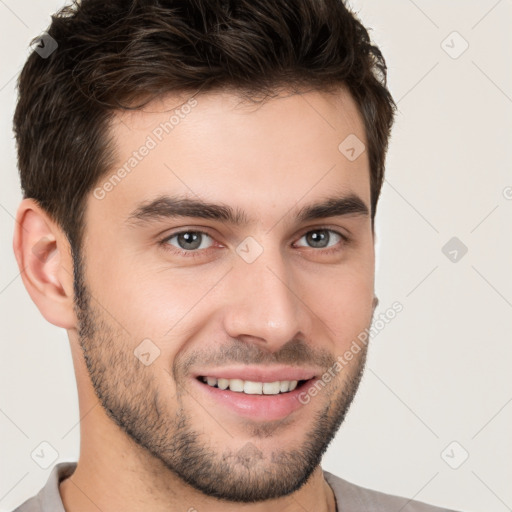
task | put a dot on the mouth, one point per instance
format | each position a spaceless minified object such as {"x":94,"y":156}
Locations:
{"x":264,"y":395}
{"x":250,"y":387}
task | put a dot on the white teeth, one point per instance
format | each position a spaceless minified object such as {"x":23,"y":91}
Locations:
{"x":252,"y":388}
{"x":271,"y":388}
{"x":223,"y":383}
{"x":236,"y":385}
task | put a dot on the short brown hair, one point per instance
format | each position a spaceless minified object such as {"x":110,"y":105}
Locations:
{"x":115,"y":54}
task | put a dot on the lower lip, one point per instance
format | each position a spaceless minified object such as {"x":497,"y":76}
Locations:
{"x":257,"y":407}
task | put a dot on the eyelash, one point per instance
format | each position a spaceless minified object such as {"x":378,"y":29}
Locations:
{"x":199,"y":252}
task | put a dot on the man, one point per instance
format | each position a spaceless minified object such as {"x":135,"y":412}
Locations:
{"x":200,"y":185}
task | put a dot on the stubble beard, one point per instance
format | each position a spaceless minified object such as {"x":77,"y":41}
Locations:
{"x":130,"y":394}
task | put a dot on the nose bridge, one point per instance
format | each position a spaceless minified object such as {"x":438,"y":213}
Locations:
{"x":264,"y":305}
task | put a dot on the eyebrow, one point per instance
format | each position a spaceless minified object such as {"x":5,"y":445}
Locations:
{"x":164,"y":207}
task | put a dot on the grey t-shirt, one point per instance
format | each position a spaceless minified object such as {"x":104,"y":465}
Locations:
{"x":349,"y":497}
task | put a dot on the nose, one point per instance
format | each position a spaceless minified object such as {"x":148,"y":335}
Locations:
{"x":265,"y":304}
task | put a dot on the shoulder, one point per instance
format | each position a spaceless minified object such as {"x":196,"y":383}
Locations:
{"x":31,"y":505}
{"x":353,"y":498}
{"x":48,"y":498}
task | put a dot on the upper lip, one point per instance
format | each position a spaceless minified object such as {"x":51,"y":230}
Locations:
{"x":259,"y":373}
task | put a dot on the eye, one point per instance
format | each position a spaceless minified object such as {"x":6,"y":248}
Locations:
{"x":188,"y":242}
{"x":323,"y":239}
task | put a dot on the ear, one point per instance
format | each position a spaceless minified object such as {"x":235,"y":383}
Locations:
{"x":44,"y":258}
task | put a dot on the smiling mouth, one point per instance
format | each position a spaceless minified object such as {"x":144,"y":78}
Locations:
{"x":252,"y":387}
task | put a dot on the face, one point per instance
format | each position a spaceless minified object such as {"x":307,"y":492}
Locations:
{"x":221,"y":276}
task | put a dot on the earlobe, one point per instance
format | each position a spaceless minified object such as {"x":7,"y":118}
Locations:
{"x":44,"y":260}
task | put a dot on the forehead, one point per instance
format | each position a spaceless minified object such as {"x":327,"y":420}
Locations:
{"x":259,"y":157}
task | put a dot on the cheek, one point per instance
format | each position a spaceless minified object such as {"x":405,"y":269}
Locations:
{"x":346,"y":307}
{"x":156,"y":303}
{"x":343,"y":300}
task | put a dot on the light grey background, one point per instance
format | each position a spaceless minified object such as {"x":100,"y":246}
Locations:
{"x":440,"y":371}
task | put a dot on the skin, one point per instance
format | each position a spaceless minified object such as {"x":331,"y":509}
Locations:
{"x":293,"y":296}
